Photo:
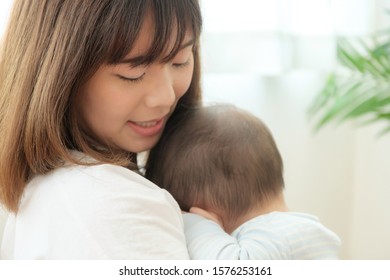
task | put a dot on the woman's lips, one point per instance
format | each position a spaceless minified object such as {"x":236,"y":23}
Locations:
{"x":147,"y":128}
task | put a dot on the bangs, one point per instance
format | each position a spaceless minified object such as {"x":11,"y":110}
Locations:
{"x":171,"y":20}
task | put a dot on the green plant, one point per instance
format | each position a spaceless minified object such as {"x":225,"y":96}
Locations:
{"x":360,"y":90}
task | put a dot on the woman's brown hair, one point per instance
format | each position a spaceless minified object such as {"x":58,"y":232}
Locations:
{"x":51,"y":48}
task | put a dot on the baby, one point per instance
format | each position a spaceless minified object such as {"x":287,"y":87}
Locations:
{"x":222,"y":166}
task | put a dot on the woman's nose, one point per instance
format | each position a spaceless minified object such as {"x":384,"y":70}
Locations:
{"x":161,"y":91}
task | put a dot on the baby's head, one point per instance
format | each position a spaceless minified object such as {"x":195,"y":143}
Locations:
{"x":219,"y":158}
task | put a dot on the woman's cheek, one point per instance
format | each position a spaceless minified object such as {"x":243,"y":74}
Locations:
{"x":184,"y":81}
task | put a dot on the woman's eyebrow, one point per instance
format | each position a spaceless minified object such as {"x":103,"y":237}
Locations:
{"x":137,"y":60}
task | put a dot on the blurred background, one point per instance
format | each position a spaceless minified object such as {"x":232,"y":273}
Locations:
{"x":273,"y":57}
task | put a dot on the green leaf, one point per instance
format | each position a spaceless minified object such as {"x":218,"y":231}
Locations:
{"x":349,"y":56}
{"x":362,"y":92}
{"x":327,"y":92}
{"x":338,"y":105}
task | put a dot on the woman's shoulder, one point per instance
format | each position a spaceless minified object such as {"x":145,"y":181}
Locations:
{"x":97,"y":174}
{"x":95,"y":182}
{"x":100,"y":211}
{"x":102,"y":174}
{"x":106,"y":174}
{"x":98,"y":188}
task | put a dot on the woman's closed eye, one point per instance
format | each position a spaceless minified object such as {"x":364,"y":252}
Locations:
{"x":131,"y":79}
{"x":181,"y":64}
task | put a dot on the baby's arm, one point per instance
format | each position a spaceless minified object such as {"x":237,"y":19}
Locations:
{"x":207,"y":240}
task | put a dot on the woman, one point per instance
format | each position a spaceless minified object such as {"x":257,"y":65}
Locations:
{"x":85,"y":86}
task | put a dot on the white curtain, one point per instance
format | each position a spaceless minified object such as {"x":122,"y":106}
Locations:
{"x":270,"y":37}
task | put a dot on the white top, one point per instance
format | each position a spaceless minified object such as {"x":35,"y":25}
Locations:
{"x":94,"y":212}
{"x":273,"y":236}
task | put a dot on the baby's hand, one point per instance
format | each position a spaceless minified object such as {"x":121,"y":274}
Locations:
{"x":206,"y":214}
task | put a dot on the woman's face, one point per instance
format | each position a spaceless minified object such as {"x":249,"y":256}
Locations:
{"x":127,"y":107}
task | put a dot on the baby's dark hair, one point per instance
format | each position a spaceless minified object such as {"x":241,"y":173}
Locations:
{"x":219,"y":158}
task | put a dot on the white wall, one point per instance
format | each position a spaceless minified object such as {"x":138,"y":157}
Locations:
{"x":2,"y":222}
{"x":370,"y":224}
